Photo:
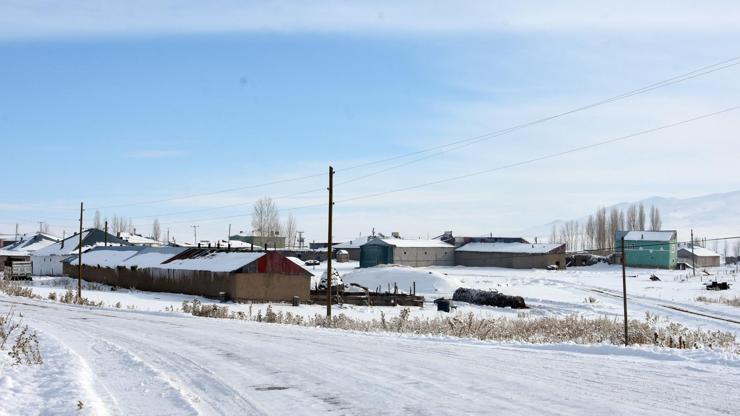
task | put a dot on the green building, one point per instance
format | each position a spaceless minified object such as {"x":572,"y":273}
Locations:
{"x":261,"y":241}
{"x":657,"y":249}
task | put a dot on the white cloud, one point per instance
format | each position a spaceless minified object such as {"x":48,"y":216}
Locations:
{"x":37,"y":18}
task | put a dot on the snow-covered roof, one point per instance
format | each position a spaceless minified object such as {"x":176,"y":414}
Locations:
{"x":355,"y":243}
{"x":650,"y":235}
{"x":342,"y":252}
{"x":174,"y":258}
{"x":215,"y":261}
{"x":136,"y":239}
{"x":509,"y":248}
{"x":90,"y":238}
{"x":699,"y":251}
{"x":400,"y":242}
{"x":30,"y":243}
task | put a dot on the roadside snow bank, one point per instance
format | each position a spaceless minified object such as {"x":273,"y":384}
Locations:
{"x":54,"y":387}
{"x":403,"y":276}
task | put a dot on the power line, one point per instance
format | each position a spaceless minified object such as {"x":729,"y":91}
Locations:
{"x":540,"y":158}
{"x":705,"y":70}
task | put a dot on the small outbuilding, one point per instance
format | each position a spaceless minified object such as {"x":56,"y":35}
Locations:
{"x":702,"y":257}
{"x":513,"y":255}
{"x":215,"y":273}
{"x":342,"y":256}
{"x":414,"y":253}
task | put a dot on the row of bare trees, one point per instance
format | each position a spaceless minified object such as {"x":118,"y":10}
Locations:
{"x":266,"y":221}
{"x":600,"y":228}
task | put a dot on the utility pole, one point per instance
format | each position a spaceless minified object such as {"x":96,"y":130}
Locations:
{"x":168,"y":236}
{"x":64,"y":237}
{"x":41,"y":224}
{"x":300,"y":239}
{"x":195,"y":234}
{"x":105,"y":236}
{"x":79,"y":259}
{"x":228,"y":237}
{"x":16,"y":232}
{"x":693,"y":258}
{"x":624,"y":291}
{"x":329,"y":273}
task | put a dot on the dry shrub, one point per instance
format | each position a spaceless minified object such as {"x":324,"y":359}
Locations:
{"x":721,"y":300}
{"x":71,"y":297}
{"x":15,"y":289}
{"x":24,"y":347}
{"x":196,"y":308}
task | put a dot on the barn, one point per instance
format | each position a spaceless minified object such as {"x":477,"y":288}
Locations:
{"x":48,"y":260}
{"x":237,"y":275}
{"x":512,"y":255}
{"x":414,"y":253}
{"x":702,"y":257}
{"x":648,"y":248}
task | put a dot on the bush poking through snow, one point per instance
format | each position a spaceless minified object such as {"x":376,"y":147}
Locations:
{"x":24,"y":347}
{"x":71,"y":297}
{"x":15,"y":289}
{"x":196,"y":308}
{"x":721,"y":300}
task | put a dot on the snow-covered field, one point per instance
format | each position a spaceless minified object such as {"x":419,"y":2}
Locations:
{"x":142,"y":358}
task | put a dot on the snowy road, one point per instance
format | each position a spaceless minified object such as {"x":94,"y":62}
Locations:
{"x":134,"y":363}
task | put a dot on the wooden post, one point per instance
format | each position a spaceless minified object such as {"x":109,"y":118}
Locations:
{"x":328,"y":248}
{"x":106,"y":233}
{"x":624,"y":291}
{"x":79,"y":259}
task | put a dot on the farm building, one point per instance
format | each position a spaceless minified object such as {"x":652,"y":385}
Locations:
{"x":138,"y":240}
{"x":414,"y":253}
{"x":238,"y":275}
{"x":48,"y":260}
{"x":514,"y":255}
{"x":27,"y":244}
{"x":352,"y":247}
{"x":703,"y":257}
{"x":648,"y":248}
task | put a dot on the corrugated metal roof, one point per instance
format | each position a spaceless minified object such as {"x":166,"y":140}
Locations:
{"x":650,"y":235}
{"x":509,"y":248}
{"x":400,"y":242}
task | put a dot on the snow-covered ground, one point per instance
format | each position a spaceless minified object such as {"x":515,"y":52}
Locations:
{"x":143,"y":359}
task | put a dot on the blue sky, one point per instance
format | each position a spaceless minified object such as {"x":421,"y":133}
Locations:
{"x":119,"y":103}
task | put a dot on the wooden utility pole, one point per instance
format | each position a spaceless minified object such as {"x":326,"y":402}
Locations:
{"x":693,"y":258}
{"x":228,"y":237}
{"x":329,"y":273}
{"x":105,"y":236}
{"x":624,"y":291}
{"x":79,"y":259}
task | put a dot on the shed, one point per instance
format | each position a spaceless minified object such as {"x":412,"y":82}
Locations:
{"x":414,"y":253}
{"x":512,"y":255}
{"x":342,"y":256}
{"x":48,"y":260}
{"x":702,"y":257}
{"x":352,"y":247}
{"x":648,"y":248}
{"x":241,"y":275}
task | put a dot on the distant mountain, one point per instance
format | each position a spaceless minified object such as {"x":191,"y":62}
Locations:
{"x":714,"y":215}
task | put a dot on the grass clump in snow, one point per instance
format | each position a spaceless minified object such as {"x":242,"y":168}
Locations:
{"x":721,"y":300}
{"x":23,"y":342}
{"x":71,"y":297}
{"x":15,"y":289}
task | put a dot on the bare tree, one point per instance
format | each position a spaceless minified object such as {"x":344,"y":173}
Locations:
{"x":156,"y":230}
{"x":641,"y":217}
{"x":590,"y":233}
{"x":96,"y":220}
{"x":290,"y":230}
{"x":655,"y":222}
{"x":614,"y":225}
{"x":554,"y":234}
{"x":601,"y":228}
{"x":631,"y":218}
{"x":736,"y":250}
{"x":265,"y":217}
{"x":44,"y":228}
